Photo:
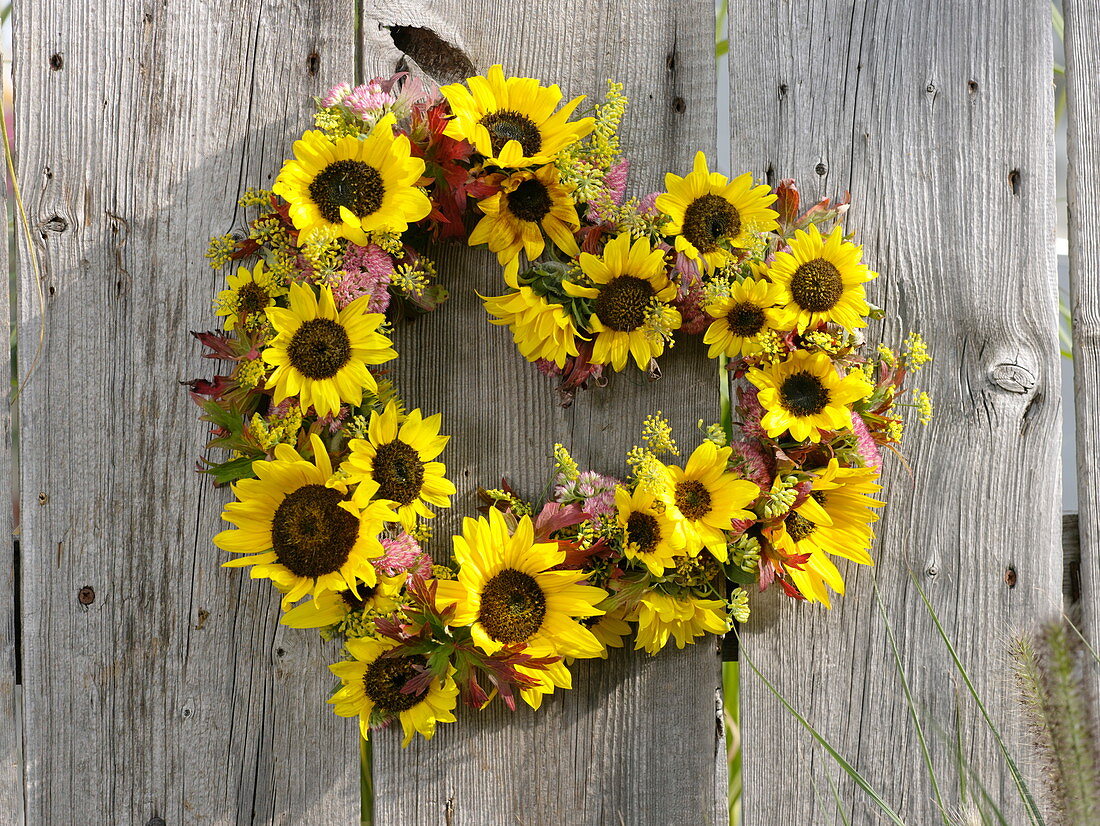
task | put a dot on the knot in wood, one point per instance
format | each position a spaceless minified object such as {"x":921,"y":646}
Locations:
{"x":1013,"y":378}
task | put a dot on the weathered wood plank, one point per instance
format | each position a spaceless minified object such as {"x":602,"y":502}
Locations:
{"x":938,"y":118}
{"x":158,"y":688}
{"x":637,"y":739}
{"x":11,"y":726}
{"x":1083,"y":190}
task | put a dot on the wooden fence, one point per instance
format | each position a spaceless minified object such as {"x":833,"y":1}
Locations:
{"x":142,"y":684}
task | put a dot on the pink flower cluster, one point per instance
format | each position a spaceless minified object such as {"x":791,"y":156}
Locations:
{"x":367,"y":271}
{"x":404,"y":554}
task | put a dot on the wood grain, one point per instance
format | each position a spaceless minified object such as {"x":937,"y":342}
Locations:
{"x":637,"y":739}
{"x":1083,"y":190}
{"x":938,"y":118}
{"x":11,"y":725}
{"x":158,"y":688}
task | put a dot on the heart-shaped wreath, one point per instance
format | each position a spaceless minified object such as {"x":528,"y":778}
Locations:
{"x":334,"y":478}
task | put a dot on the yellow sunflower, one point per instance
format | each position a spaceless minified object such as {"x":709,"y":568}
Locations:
{"x":707,"y":498}
{"x":371,"y":689}
{"x":660,"y":616}
{"x":508,"y":594}
{"x":320,"y":354}
{"x":397,"y":456}
{"x":834,"y":520}
{"x":554,"y":675}
{"x":805,"y":395}
{"x":250,"y":293}
{"x":511,"y":121}
{"x":649,"y":535}
{"x":609,"y":629}
{"x":541,"y":329}
{"x":711,"y":215}
{"x":821,"y":279}
{"x":332,"y":607}
{"x":527,"y":204}
{"x":352,"y":186}
{"x":740,"y":319}
{"x":630,"y":301}
{"x":305,"y":532}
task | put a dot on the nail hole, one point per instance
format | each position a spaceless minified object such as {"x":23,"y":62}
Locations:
{"x":972,"y":85}
{"x":1014,"y":181}
{"x":86,"y":595}
{"x":56,"y":61}
{"x":1010,"y":576}
{"x":313,"y":62}
{"x":55,"y":223}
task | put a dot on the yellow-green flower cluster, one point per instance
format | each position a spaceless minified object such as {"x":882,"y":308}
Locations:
{"x":739,"y":605}
{"x":923,"y":404}
{"x":916,"y":352}
{"x":657,"y":434}
{"x":279,"y":429}
{"x":220,"y":250}
{"x":564,"y":464}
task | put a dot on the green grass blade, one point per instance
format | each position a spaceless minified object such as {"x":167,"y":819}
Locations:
{"x":1034,"y":815}
{"x":903,"y":677}
{"x":848,"y":768}
{"x":840,"y":810}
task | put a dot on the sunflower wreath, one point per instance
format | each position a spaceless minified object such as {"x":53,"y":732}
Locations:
{"x":334,"y":479}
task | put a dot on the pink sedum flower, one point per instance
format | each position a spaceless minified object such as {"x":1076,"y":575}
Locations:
{"x":403,"y":554}
{"x":366,"y":100}
{"x":865,"y":444}
{"x":336,"y":94}
{"x":367,"y":271}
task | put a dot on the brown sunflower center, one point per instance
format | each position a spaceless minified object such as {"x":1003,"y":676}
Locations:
{"x":746,"y":319}
{"x":708,"y":219}
{"x":319,"y":348}
{"x":643,"y":532}
{"x":505,"y":125}
{"x":398,"y":472}
{"x":355,"y":185}
{"x":798,"y":526}
{"x":530,"y":201}
{"x":817,"y":286}
{"x":384,"y":679}
{"x":803,"y":394}
{"x":356,"y":603}
{"x":251,"y":298}
{"x":693,"y":499}
{"x":513,"y":606}
{"x":311,"y":534}
{"x":622,"y":303}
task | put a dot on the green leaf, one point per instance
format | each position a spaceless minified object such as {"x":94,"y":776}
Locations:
{"x":232,"y":470}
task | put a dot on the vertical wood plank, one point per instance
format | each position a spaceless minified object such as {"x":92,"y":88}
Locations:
{"x":939,"y":119}
{"x":1083,"y":190}
{"x":158,"y":688}
{"x":637,"y":740}
{"x":11,"y":726}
